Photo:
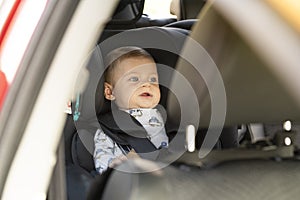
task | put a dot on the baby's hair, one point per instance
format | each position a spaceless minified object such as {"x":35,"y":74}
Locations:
{"x":116,"y":56}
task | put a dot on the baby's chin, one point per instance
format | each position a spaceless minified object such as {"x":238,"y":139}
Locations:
{"x":144,"y":106}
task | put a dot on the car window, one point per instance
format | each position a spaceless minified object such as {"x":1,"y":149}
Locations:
{"x":18,"y":22}
{"x":152,"y":9}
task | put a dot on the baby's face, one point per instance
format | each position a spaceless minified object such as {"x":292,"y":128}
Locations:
{"x":135,"y":83}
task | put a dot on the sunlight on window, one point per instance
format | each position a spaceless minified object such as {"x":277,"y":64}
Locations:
{"x":19,"y":36}
{"x":158,"y":8}
{"x":289,"y":9}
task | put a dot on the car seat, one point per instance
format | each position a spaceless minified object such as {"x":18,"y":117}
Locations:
{"x":89,"y":103}
{"x":164,"y":44}
{"x":186,"y":12}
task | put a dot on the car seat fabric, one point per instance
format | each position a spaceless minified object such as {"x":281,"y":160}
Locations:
{"x":79,"y":182}
{"x":126,"y":14}
{"x":183,"y":24}
{"x":145,"y":21}
{"x":82,"y":149}
{"x":69,"y":131}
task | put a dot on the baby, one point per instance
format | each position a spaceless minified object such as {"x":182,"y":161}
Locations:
{"x":131,"y":83}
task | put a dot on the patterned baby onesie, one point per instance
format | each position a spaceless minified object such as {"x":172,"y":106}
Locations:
{"x":106,"y":149}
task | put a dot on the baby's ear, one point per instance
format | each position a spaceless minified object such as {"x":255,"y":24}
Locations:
{"x":108,"y":91}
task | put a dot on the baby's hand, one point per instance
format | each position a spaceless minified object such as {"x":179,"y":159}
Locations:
{"x":132,"y":154}
{"x":118,"y":160}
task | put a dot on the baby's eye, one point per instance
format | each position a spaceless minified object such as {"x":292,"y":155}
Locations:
{"x":153,"y":79}
{"x":134,"y":79}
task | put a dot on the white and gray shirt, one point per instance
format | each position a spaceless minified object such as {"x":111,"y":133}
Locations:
{"x":106,"y":149}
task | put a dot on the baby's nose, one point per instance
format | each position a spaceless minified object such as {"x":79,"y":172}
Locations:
{"x":145,"y":83}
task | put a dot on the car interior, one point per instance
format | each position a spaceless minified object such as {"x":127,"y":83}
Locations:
{"x":246,"y":158}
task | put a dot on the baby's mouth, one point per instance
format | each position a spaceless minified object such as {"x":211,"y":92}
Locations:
{"x":146,"y":94}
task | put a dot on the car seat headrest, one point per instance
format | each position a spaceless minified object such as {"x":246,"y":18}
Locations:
{"x":186,"y":9}
{"x":127,"y":13}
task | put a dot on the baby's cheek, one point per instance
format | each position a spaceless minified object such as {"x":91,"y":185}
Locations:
{"x":158,"y":93}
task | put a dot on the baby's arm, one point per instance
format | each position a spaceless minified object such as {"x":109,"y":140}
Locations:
{"x":106,"y":152}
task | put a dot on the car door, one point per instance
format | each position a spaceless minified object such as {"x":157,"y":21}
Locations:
{"x":32,"y":115}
